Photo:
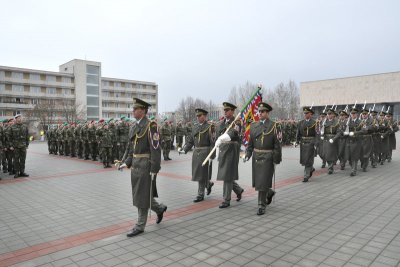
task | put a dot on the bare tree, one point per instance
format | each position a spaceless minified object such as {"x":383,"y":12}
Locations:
{"x":239,"y":95}
{"x":285,"y":100}
{"x":44,"y":113}
{"x":72,"y":111}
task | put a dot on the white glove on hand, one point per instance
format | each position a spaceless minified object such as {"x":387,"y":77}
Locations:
{"x":331,"y":141}
{"x":382,"y":137}
{"x":122,"y":166}
{"x":351,"y":133}
{"x":322,"y":138}
{"x":223,"y":138}
{"x":181,"y":151}
{"x":245,"y":159}
{"x":346,"y":133}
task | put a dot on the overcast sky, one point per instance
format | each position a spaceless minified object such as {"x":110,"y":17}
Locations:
{"x":204,"y":48}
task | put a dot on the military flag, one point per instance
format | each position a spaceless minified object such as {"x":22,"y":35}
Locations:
{"x":250,"y":114}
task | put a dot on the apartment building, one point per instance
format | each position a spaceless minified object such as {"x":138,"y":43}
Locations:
{"x":78,"y":84}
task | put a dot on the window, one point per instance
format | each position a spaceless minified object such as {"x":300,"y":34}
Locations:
{"x":66,"y":91}
{"x":35,"y":89}
{"x":17,"y":75}
{"x":3,"y":113}
{"x":106,"y":94}
{"x":117,"y":105}
{"x":105,"y":83}
{"x":34,"y":101}
{"x":52,"y":101}
{"x":17,"y":88}
{"x":15,"y":112}
{"x":92,"y":101}
{"x":2,"y":87}
{"x":50,"y":78}
{"x":94,"y":70}
{"x":92,"y":112}
{"x":92,"y":79}
{"x":2,"y":74}
{"x":117,"y":95}
{"x":17,"y":100}
{"x":128,"y":85}
{"x":92,"y":90}
{"x":105,"y":104}
{"x":34,"y":76}
{"x":117,"y":84}
{"x":66,"y":80}
{"x":51,"y":90}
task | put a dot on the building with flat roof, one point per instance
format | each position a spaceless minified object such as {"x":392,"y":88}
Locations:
{"x":78,"y":84}
{"x":382,"y":89}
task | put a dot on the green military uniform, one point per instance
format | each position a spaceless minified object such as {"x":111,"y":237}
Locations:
{"x":166,"y":133}
{"x":9,"y":152}
{"x":393,"y":128}
{"x":188,"y":130}
{"x":85,"y":141}
{"x":353,"y":142}
{"x":180,"y":133}
{"x":266,"y":150}
{"x":19,"y":141}
{"x":1,"y":143}
{"x":114,"y":150}
{"x":329,"y":134}
{"x":384,"y":131}
{"x":91,"y":136}
{"x":202,"y":139}
{"x":122,"y":137}
{"x":319,"y":142}
{"x":228,"y":158}
{"x":144,"y":158}
{"x":342,"y":139}
{"x":367,"y":129}
{"x":71,"y":140}
{"x":306,"y":136}
{"x":48,"y":139}
{"x":60,"y":141}
{"x":78,"y":140}
{"x":105,"y":138}
{"x":4,"y":147}
{"x":64,"y":135}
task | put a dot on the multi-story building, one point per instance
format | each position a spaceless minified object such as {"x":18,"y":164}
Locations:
{"x":77,"y":85}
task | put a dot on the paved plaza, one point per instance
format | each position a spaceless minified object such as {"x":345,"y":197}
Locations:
{"x":72,"y":212}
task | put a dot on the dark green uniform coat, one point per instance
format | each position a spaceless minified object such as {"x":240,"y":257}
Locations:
{"x":306,"y":137}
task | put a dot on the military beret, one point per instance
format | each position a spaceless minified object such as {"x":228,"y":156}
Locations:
{"x":138,"y":103}
{"x":65,"y":123}
{"x":200,"y":111}
{"x":228,"y":105}
{"x":102,"y":120}
{"x":122,"y":118}
{"x":264,"y":106}
{"x":308,"y":110}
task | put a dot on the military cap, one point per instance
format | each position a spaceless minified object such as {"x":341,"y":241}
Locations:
{"x":308,"y":110}
{"x":102,"y":120}
{"x":365,"y":111}
{"x":138,"y":103}
{"x":331,"y":110}
{"x":342,"y":112}
{"x":228,"y":105}
{"x":389,"y":113}
{"x":109,"y":120}
{"x":17,"y":116}
{"x":122,"y":118}
{"x":200,"y":111}
{"x":5,"y":120}
{"x":353,"y":110}
{"x":65,"y":123}
{"x":264,"y":106}
{"x":374,"y":112}
{"x":382,"y":113}
{"x":323,"y":113}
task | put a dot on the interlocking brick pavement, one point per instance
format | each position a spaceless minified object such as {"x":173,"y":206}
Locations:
{"x":71,"y":212}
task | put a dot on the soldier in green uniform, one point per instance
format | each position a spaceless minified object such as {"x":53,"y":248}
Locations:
{"x":202,"y":139}
{"x":4,"y":147}
{"x":85,"y":141}
{"x":393,"y":128}
{"x":60,"y":143}
{"x":105,"y":138}
{"x":188,"y":130}
{"x":91,"y":136}
{"x":114,"y":150}
{"x":180,"y":133}
{"x":71,"y":139}
{"x":19,"y":141}
{"x":228,"y":152}
{"x":166,"y":140}
{"x":384,"y":145}
{"x":329,"y":134}
{"x":342,"y":139}
{"x":9,"y":152}
{"x":144,"y":158}
{"x":122,"y":136}
{"x":78,"y":140}
{"x":48,"y":139}
{"x":366,"y":141}
{"x":266,"y":150}
{"x":1,"y":141}
{"x":319,"y":141}
{"x":306,"y":136}
{"x":376,"y":139}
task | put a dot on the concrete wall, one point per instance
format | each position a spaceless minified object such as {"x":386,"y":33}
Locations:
{"x":376,"y":88}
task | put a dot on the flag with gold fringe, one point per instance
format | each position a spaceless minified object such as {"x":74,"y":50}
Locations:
{"x":250,"y":114}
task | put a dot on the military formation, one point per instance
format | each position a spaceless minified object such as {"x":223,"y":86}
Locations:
{"x":14,"y":141}
{"x":355,"y":136}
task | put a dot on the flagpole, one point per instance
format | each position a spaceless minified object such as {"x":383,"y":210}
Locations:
{"x":233,"y":122}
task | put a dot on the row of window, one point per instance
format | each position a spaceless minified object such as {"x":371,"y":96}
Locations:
{"x":129,"y":95}
{"x":35,"y":101}
{"x":36,"y":89}
{"x":107,"y":115}
{"x":120,"y":105}
{"x":127,"y":85}
{"x":35,"y":76}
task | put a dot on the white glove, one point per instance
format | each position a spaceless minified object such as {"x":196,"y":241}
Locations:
{"x":181,"y":151}
{"x":382,"y":137}
{"x":346,"y":133}
{"x":122,"y":166}
{"x":245,"y":159}
{"x":223,"y":138}
{"x":351,"y":133}
{"x":331,"y":141}
{"x":322,"y":138}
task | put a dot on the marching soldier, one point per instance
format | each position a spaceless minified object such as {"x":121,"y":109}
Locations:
{"x":144,"y":159}
{"x":202,"y":139}
{"x":266,"y":150}
{"x":60,"y":142}
{"x":353,"y":146}
{"x":320,"y":142}
{"x":367,"y":128}
{"x":394,"y":127}
{"x":188,"y":130}
{"x":342,"y":139}
{"x":384,"y":145}
{"x":19,"y":142}
{"x":228,"y":145}
{"x":376,"y":139}
{"x":329,"y":134}
{"x":306,"y":134}
{"x":166,"y":140}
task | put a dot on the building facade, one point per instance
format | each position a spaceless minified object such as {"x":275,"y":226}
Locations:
{"x":79,"y":85}
{"x":382,"y":89}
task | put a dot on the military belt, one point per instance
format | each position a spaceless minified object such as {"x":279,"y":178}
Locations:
{"x":263,"y":150}
{"x":329,"y":135}
{"x":306,"y":137}
{"x":230,"y":142}
{"x":367,"y":135}
{"x":202,"y":147}
{"x":141,"y":156}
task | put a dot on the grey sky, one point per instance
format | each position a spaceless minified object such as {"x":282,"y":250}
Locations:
{"x":204,"y":48}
